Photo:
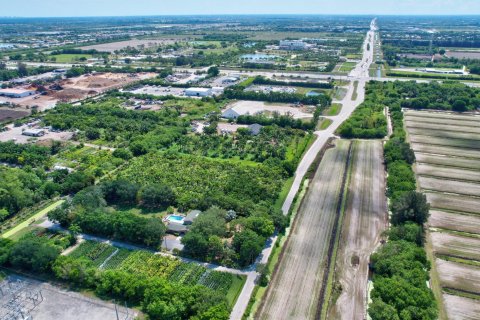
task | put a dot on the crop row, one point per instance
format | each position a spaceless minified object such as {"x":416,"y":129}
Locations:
{"x":147,"y":263}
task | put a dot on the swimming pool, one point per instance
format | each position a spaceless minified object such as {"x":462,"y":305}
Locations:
{"x":175,"y":218}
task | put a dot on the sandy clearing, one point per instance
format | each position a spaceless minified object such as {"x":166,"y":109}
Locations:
{"x":454,"y":245}
{"x":460,"y":308}
{"x":365,"y":220}
{"x":454,"y":221}
{"x":450,"y":186}
{"x":443,"y":134}
{"x":453,"y":202}
{"x":445,"y":150}
{"x":446,"y":141}
{"x":449,"y":161}
{"x":443,"y":172}
{"x":441,"y":115}
{"x":293,"y":291}
{"x":458,"y":276}
{"x":434,"y":126}
{"x":244,"y":107}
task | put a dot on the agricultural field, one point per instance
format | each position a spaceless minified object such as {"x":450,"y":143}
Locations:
{"x":365,"y":220}
{"x":294,"y":291}
{"x":107,"y":257}
{"x":447,"y":150}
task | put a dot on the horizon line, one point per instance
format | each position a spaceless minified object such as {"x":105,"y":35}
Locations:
{"x":252,"y":14}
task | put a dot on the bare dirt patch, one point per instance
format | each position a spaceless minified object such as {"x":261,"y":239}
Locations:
{"x":445,"y":150}
{"x":447,"y":161}
{"x":459,"y":276}
{"x":449,"y":186}
{"x":434,"y":126}
{"x":460,"y":308}
{"x":294,"y":290}
{"x":455,"y":245}
{"x":8,"y":114}
{"x":443,"y":134}
{"x":447,"y":172}
{"x":453,"y":202}
{"x":454,"y":221}
{"x":442,"y":115}
{"x":365,"y":220}
{"x":446,"y":141}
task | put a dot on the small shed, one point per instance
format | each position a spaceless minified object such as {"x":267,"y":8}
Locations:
{"x":254,"y":129}
{"x":230,"y":114}
{"x":191,"y":217}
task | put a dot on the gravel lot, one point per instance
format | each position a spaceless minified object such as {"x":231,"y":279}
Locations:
{"x":60,"y":304}
{"x":253,"y":107}
{"x":365,"y":219}
{"x":294,"y":291}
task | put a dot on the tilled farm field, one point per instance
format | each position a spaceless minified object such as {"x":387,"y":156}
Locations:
{"x":365,"y":220}
{"x":447,"y":148}
{"x":295,"y":288}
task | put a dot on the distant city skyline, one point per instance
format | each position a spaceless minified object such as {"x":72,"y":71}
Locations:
{"x":84,"y":8}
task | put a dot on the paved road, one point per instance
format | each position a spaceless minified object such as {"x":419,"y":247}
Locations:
{"x":360,"y":74}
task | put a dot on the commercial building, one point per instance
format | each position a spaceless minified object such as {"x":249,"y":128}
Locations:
{"x":198,"y":92}
{"x":293,"y":45}
{"x":16,"y":93}
{"x":34,"y":132}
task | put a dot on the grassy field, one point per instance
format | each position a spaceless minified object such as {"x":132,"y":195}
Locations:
{"x":347,"y":67}
{"x":70,"y":58}
{"x":324,"y":123}
{"x":333,"y":110}
{"x":40,"y":214}
{"x":447,"y":148}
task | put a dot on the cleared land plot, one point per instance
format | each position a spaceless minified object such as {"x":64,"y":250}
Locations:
{"x":460,"y":308}
{"x":449,"y":122}
{"x":445,"y":150}
{"x":62,"y":304}
{"x":454,"y":221}
{"x":459,"y":276}
{"x":255,"y":107}
{"x":445,"y":127}
{"x":294,"y":290}
{"x":447,"y":161}
{"x":446,"y":141}
{"x":447,"y":172}
{"x":7,"y":114}
{"x":453,"y":202}
{"x":454,"y":245}
{"x":365,"y":220}
{"x":449,"y":186}
{"x":441,"y":115}
{"x":443,"y":134}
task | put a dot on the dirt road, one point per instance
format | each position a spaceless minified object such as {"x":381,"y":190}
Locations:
{"x":293,"y":291}
{"x":365,"y":220}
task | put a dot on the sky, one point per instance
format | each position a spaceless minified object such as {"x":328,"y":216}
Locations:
{"x":70,"y":8}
